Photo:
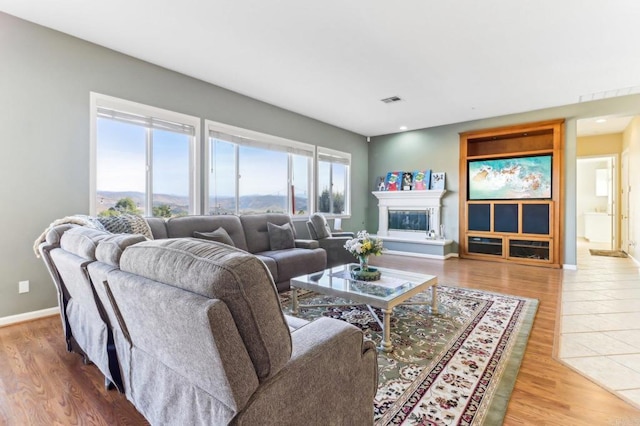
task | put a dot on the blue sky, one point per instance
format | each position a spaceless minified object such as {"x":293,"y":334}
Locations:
{"x":121,"y":166}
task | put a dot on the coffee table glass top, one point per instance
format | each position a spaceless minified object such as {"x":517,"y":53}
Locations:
{"x":337,"y":281}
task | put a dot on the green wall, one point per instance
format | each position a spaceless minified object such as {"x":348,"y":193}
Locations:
{"x":438,"y":149}
{"x":45,"y":80}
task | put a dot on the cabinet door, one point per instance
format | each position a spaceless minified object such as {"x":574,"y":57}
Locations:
{"x":506,"y":218}
{"x":479,"y":216}
{"x":536,"y":219}
{"x":485,"y":245}
{"x":530,"y":249}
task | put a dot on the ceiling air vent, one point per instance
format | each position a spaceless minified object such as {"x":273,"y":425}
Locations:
{"x":609,"y":94}
{"x":391,"y":99}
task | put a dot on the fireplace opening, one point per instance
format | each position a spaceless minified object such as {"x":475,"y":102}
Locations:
{"x":409,"y":220}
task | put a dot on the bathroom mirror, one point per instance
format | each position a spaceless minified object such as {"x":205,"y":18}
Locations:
{"x":602,"y":182}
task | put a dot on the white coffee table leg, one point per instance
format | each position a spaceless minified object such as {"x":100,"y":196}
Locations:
{"x":386,"y":345}
{"x":294,"y":301}
{"x":434,"y":299}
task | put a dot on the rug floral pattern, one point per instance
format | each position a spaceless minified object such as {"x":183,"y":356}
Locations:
{"x":444,"y":368}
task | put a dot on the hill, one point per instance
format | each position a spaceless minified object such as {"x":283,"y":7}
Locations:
{"x":179,"y":204}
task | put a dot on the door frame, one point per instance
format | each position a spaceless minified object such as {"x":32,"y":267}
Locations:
{"x":614,"y":179}
{"x":624,"y":201}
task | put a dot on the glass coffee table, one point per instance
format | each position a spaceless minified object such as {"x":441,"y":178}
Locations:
{"x":392,"y":289}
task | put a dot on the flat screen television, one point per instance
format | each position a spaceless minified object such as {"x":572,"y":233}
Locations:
{"x":510,"y":178}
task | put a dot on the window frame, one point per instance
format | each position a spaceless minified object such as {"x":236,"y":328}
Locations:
{"x":98,"y":100}
{"x":261,"y":140}
{"x":200,"y":144}
{"x":340,"y":158}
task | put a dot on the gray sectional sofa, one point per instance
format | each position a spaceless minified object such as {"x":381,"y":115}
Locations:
{"x":251,"y":233}
{"x":193,"y":333}
{"x":88,"y":321}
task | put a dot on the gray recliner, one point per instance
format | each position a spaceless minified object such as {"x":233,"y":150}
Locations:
{"x":209,"y":343}
{"x":68,"y":252}
{"x":331,"y":242}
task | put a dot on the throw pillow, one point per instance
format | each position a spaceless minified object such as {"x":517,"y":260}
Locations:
{"x":220,"y":235}
{"x":280,"y":237}
{"x":126,"y":224}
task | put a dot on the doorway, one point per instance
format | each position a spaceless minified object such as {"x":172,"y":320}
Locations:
{"x":596,"y":204}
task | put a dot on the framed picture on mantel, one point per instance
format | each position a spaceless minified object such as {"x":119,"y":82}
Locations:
{"x":437,"y":180}
{"x":421,"y":180}
{"x":393,"y":181}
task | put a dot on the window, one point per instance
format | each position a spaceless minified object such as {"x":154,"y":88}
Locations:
{"x":222,"y":177}
{"x":262,"y":180}
{"x":301,"y":184}
{"x":143,"y":159}
{"x":333,"y":182}
{"x":250,"y":172}
{"x":146,"y":160}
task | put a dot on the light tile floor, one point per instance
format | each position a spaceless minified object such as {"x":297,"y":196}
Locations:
{"x":600,"y":322}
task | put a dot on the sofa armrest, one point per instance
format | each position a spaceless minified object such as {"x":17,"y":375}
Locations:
{"x":333,"y":242}
{"x":343,"y":234}
{"x":336,"y":253}
{"x":332,"y":378}
{"x":307,"y":244}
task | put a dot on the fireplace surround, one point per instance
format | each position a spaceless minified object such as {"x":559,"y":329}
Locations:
{"x":405,"y":219}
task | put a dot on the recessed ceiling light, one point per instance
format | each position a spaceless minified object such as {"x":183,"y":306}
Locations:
{"x":403,"y":127}
{"x":601,"y":120}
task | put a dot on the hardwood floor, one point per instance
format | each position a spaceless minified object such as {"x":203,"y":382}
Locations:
{"x":42,"y":384}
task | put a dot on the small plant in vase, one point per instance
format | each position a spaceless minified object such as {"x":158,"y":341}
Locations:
{"x":361,"y":247}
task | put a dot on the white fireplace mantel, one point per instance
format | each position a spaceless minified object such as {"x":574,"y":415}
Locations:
{"x":428,"y":200}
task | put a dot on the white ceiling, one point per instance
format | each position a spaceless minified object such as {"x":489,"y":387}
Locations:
{"x":602,"y":125}
{"x":334,"y":60}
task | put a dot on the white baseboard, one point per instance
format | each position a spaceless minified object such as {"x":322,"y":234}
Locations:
{"x":27,"y":316}
{"x":570,"y":267}
{"x":422,"y":255}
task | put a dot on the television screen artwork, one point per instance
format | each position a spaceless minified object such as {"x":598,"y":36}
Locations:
{"x":510,"y":178}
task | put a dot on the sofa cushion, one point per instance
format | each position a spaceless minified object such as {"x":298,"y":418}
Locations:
{"x":82,"y":241}
{"x":307,"y":244}
{"x":272,"y":266}
{"x":222,"y":272}
{"x":295,"y":323}
{"x":126,"y":224}
{"x":280,"y":236}
{"x":219,"y":235}
{"x":294,"y":262}
{"x":158,"y":226}
{"x":54,"y":234}
{"x":320,"y":225}
{"x":257,"y":232}
{"x":110,"y":249}
{"x":185,"y":226}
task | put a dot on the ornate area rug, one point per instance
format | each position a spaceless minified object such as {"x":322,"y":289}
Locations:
{"x":457,"y":367}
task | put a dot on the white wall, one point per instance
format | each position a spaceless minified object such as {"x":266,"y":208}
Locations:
{"x":587,"y":201}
